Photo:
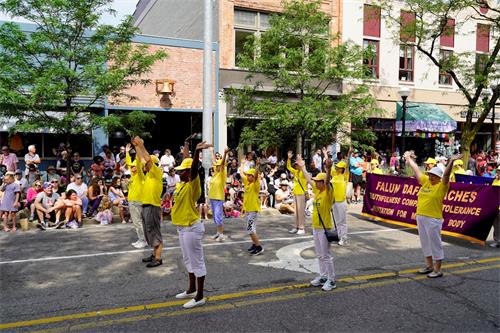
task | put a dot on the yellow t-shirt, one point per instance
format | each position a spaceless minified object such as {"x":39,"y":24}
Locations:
{"x":184,"y":212}
{"x":322,"y":203}
{"x":456,"y":172}
{"x":377,"y":171}
{"x":339,"y":183}
{"x":299,"y":180}
{"x":136,"y":182}
{"x":217,"y":184}
{"x":251,"y":202}
{"x":496,"y":182}
{"x":430,"y":198}
{"x":152,"y":186}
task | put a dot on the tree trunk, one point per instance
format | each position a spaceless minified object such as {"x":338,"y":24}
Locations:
{"x":298,"y":139}
{"x":466,"y":139}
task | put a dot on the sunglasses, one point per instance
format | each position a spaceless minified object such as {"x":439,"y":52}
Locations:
{"x":54,"y":182}
{"x":78,"y":178}
{"x":38,"y":185}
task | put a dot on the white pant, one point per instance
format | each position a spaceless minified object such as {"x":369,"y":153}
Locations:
{"x":192,"y":248}
{"x":429,"y":231}
{"x":325,"y":258}
{"x":340,"y":216}
{"x":135,"y":209}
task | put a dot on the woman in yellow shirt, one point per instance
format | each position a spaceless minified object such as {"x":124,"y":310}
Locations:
{"x":216,"y":195}
{"x":340,"y":178}
{"x":189,"y":227}
{"x":299,"y":191}
{"x":323,"y":200}
{"x":458,"y":169}
{"x":434,"y":187}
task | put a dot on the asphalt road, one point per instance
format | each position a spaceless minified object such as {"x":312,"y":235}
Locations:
{"x":92,"y":280}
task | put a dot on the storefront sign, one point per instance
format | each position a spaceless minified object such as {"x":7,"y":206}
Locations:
{"x":475,"y":115}
{"x":468,"y":209}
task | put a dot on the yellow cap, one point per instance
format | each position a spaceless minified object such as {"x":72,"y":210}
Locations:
{"x":430,"y":161}
{"x":374,"y":162}
{"x":341,"y":164}
{"x":186,"y":164}
{"x":458,"y":162}
{"x":251,"y":172}
{"x":320,"y":177}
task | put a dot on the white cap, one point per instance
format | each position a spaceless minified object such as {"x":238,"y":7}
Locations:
{"x":436,"y":171}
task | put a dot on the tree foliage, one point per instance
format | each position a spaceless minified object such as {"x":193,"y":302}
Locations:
{"x":304,"y":63}
{"x":59,"y":75}
{"x":472,"y":76}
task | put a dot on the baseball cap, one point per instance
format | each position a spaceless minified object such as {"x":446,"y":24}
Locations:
{"x":19,"y":172}
{"x":458,"y":162}
{"x":47,"y":185}
{"x":341,"y":164}
{"x":436,"y":172}
{"x":320,"y":177}
{"x":186,"y":164}
{"x":250,"y":172}
{"x":430,"y":160}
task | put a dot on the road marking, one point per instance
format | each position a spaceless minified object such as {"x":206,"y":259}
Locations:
{"x":244,"y":303}
{"x":289,"y":258}
{"x":223,"y":297}
{"x":90,"y":255}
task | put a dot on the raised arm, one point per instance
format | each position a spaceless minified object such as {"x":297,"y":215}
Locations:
{"x":224,"y":157}
{"x":185,"y":148}
{"x":413,"y":165}
{"x":196,"y":158}
{"x":212,"y":156}
{"x":289,"y":162}
{"x":328,"y":169}
{"x":142,"y":153}
{"x":300,"y":162}
{"x":257,"y":169}
{"x":242,"y":165}
{"x":449,"y":167}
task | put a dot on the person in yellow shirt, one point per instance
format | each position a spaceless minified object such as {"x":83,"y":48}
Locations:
{"x":251,"y":204}
{"x":299,"y":191}
{"x":458,"y":169}
{"x":216,"y":195}
{"x":150,"y":198}
{"x":340,"y":178}
{"x":434,"y":187}
{"x":375,"y":169}
{"x":496,"y":223}
{"x":429,"y":163}
{"x":134,"y":197}
{"x":323,"y":200}
{"x":190,"y":228}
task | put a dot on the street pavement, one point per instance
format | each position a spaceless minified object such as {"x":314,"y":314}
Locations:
{"x":93,"y":280}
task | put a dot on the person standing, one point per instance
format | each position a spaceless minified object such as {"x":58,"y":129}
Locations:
{"x":10,"y":203}
{"x":318,"y":160}
{"x":340,"y":178}
{"x":9,"y":159}
{"x":356,"y":171}
{"x":167,"y":161}
{"x":429,"y":163}
{"x":323,"y":201}
{"x":299,"y":193}
{"x":31,"y":158}
{"x":134,"y":198}
{"x":151,"y":201}
{"x":190,"y":228}
{"x":216,"y":195}
{"x":458,"y":169}
{"x":434,"y":187}
{"x":251,"y":204}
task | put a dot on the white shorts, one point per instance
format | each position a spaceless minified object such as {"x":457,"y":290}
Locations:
{"x":251,"y":218}
{"x":429,"y":231}
{"x":190,"y":239}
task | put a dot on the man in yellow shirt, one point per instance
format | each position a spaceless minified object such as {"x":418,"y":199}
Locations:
{"x":434,"y":187}
{"x":190,"y":228}
{"x":430,"y":163}
{"x":251,"y":204}
{"x":324,"y":197}
{"x":216,"y":195}
{"x":340,"y":178}
{"x":151,"y":201}
{"x":458,"y":169}
{"x":134,"y":197}
{"x":299,"y":191}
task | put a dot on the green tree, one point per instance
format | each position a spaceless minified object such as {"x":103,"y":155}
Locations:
{"x":304,"y":64}
{"x":59,"y":75}
{"x":471,"y":73}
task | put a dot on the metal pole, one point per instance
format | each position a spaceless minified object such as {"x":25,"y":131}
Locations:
{"x":403,"y":130}
{"x":207,"y":83}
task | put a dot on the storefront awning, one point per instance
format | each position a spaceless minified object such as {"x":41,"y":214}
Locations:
{"x":423,"y":117}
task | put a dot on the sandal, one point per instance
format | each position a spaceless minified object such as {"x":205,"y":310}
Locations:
{"x":435,"y":275}
{"x":425,"y":270}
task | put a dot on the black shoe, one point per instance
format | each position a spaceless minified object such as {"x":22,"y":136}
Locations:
{"x":155,"y":262}
{"x":257,"y":251}
{"x":148,"y":259}
{"x":251,"y":248}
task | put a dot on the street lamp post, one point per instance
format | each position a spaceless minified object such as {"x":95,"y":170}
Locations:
{"x":404,"y":92}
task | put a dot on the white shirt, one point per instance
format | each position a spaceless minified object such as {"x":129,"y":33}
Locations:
{"x":80,"y":190}
{"x":272,"y":159}
{"x":317,"y":161}
{"x":167,"y":162}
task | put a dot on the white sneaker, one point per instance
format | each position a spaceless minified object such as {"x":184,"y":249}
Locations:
{"x":293,"y":231}
{"x":329,"y":285}
{"x":216,"y":236}
{"x":318,"y":281}
{"x":221,"y":238}
{"x":343,"y":241}
{"x":301,"y":232}
{"x":185,"y":295}
{"x":495,"y":244}
{"x":139,"y":244}
{"x":192,"y":303}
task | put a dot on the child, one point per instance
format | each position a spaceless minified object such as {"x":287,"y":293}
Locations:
{"x":104,"y":214}
{"x":251,"y":204}
{"x":10,"y":200}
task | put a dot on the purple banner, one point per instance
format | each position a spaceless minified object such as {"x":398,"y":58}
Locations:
{"x":468,"y":209}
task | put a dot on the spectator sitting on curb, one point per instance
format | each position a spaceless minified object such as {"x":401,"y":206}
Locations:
{"x":73,"y":205}
{"x":48,"y":207}
{"x":81,"y":190}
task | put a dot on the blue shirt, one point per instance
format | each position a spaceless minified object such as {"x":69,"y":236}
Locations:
{"x":358,"y":171}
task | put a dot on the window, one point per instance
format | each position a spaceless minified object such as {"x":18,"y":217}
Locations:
{"x":445,"y":78}
{"x":371,"y":21}
{"x":407,"y":27}
{"x":370,"y":59}
{"x":481,"y":60}
{"x":448,"y":37}
{"x":483,"y":38}
{"x":406,"y":62}
{"x":247,"y":23}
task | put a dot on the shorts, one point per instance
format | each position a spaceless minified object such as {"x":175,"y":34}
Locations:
{"x":251,"y":218}
{"x":151,"y":224}
{"x":357,"y":180}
